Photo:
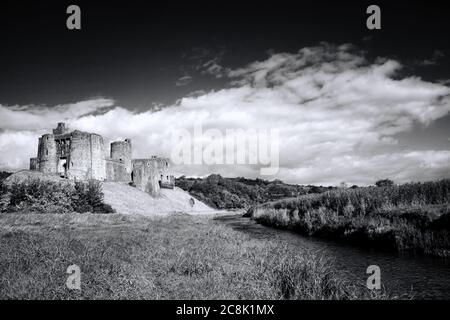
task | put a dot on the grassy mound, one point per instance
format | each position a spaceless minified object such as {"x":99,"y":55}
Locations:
{"x":129,"y":200}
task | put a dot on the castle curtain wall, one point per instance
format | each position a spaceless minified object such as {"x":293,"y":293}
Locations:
{"x":145,"y":175}
{"x":116,"y":171}
{"x":165,"y":176}
{"x":97,"y":157}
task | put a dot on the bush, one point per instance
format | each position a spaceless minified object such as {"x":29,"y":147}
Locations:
{"x":38,"y":196}
{"x":34,"y":195}
{"x":4,"y":175}
{"x":88,"y":197}
{"x":384,"y":183}
{"x":4,"y":200}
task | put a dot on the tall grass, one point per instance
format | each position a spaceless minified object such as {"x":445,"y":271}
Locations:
{"x":176,"y":257}
{"x":410,"y":216}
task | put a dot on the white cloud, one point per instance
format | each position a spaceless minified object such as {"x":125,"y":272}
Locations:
{"x":15,"y":147}
{"x":183,"y":81}
{"x":336,"y":112}
{"x":433,"y":60}
{"x":213,"y":68}
{"x":355,"y":169}
{"x":32,"y":117}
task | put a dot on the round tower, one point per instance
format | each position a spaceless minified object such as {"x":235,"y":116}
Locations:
{"x":80,"y":161}
{"x":121,"y":150}
{"x":47,"y":154}
{"x":87,"y":156}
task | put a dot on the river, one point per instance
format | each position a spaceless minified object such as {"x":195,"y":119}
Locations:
{"x":423,"y":277}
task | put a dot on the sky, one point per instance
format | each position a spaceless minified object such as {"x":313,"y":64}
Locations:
{"x":350,"y":104}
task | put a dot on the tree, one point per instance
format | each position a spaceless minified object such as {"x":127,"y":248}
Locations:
{"x":384,"y":183}
{"x":4,"y":175}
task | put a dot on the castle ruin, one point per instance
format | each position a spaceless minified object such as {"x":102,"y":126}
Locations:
{"x":81,"y":155}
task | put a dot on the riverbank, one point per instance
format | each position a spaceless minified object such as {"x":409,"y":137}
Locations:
{"x":405,"y":275}
{"x":414,"y":217}
{"x":174,"y":257}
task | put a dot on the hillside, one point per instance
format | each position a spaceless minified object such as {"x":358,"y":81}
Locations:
{"x":129,"y":200}
{"x":24,"y":175}
{"x":235,"y":193}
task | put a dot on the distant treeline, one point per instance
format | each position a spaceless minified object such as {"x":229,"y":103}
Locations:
{"x":236,"y":193}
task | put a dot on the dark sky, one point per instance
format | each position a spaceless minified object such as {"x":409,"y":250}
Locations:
{"x":388,"y":117}
{"x":134,"y":51}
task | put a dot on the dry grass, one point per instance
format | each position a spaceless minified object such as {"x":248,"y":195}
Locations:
{"x":175,"y":257}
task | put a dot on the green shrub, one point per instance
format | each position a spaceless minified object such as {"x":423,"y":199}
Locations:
{"x":88,"y":197}
{"x":38,"y":196}
{"x":4,"y":175}
{"x":4,"y":198}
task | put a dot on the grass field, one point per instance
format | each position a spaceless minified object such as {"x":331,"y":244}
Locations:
{"x":414,"y":216}
{"x":175,"y":257}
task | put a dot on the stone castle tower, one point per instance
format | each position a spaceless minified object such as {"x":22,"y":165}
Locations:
{"x":81,"y":156}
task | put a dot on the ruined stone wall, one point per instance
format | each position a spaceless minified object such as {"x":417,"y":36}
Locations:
{"x":122,"y":150}
{"x":116,"y":171}
{"x":47,"y":154}
{"x":145,"y":175}
{"x":61,"y":129}
{"x":165,"y":175}
{"x":97,"y":157}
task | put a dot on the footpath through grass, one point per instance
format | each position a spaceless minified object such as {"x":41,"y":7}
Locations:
{"x":175,"y":257}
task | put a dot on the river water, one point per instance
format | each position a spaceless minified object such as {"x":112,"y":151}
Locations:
{"x":423,"y":277}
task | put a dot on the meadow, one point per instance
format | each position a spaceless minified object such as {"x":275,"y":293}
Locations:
{"x":413,"y":216}
{"x":173,"y":257}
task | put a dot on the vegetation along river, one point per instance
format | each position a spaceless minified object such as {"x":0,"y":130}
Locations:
{"x":422,"y":277}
